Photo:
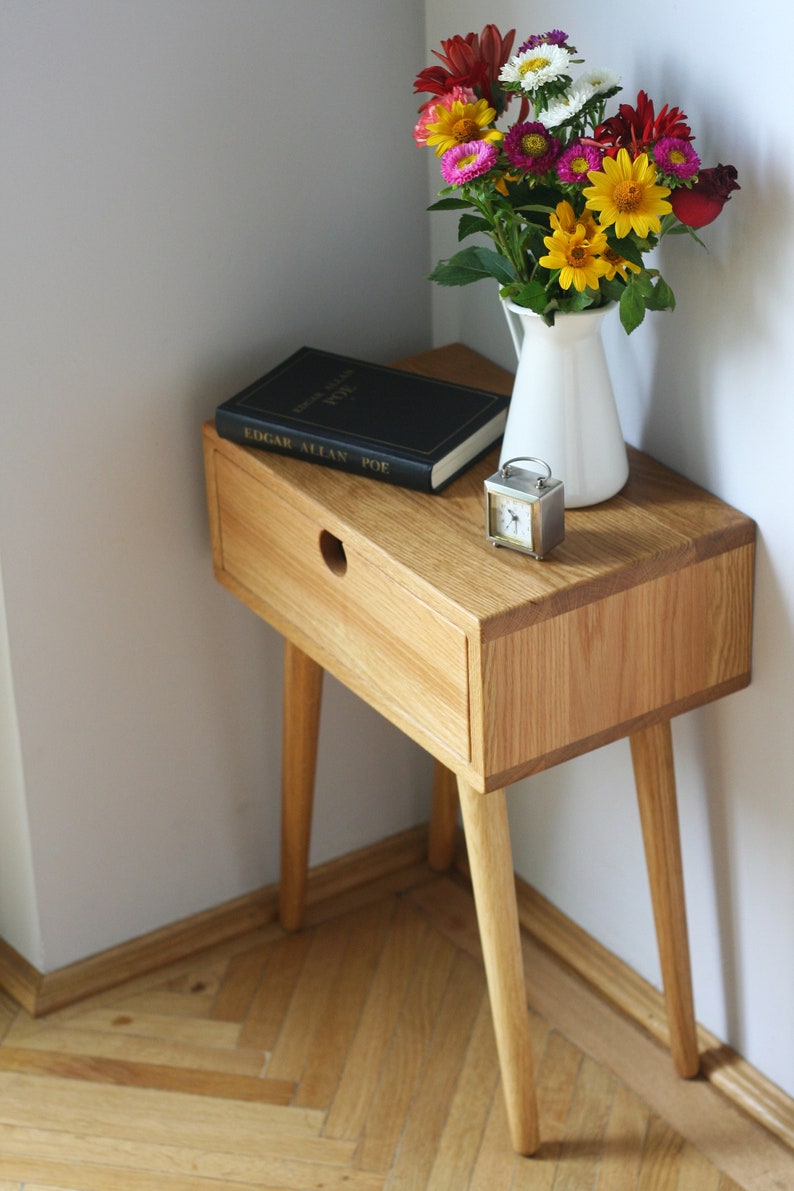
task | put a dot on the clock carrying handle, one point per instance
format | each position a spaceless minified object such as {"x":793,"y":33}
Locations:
{"x":504,"y":470}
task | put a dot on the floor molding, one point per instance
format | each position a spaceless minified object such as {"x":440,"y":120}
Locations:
{"x":42,"y":993}
{"x":612,"y":979}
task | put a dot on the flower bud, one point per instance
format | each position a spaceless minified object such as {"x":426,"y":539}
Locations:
{"x":701,"y":203}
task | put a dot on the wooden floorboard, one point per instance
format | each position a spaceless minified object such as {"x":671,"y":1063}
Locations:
{"x":356,"y":1055}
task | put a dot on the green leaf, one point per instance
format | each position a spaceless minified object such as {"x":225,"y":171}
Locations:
{"x":681,"y":229}
{"x":632,"y":307}
{"x":473,"y":264}
{"x":532,"y":295}
{"x":662,"y":297}
{"x":642,"y":283}
{"x":625,"y":247}
{"x":580,"y":300}
{"x":470,"y":224}
{"x":449,"y":204}
{"x":611,"y":291}
{"x":536,"y":209}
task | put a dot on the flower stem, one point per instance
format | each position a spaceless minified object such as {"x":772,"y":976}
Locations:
{"x":507,"y":239}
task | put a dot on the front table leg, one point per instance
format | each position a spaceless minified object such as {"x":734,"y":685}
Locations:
{"x":491,"y":864}
{"x":303,"y":680}
{"x":652,"y":756}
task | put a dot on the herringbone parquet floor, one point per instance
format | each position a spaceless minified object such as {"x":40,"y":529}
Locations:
{"x":354,"y":1056}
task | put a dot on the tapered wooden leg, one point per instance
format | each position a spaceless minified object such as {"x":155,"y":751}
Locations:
{"x":652,"y":755}
{"x":443,"y":819}
{"x":303,"y":679}
{"x":491,"y":864}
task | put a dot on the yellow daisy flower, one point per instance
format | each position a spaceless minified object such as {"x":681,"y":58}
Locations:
{"x":617,"y":265}
{"x":625,"y":193}
{"x":577,"y":257}
{"x":565,"y":219}
{"x":461,"y":123}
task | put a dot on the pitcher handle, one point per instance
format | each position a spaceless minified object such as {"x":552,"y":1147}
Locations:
{"x":515,"y":327}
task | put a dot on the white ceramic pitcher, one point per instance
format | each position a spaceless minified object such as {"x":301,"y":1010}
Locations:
{"x":563,"y":406}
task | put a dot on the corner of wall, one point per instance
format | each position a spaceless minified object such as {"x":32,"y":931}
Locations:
{"x":19,"y":918}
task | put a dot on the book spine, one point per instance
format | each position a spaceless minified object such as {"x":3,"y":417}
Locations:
{"x":331,"y":452}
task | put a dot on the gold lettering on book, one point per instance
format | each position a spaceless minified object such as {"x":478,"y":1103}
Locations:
{"x":318,"y":451}
{"x":268,"y":438}
{"x":379,"y":465}
{"x":333,"y":391}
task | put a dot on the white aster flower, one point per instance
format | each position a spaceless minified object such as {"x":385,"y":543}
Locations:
{"x":564,"y":108}
{"x":543,"y":64}
{"x":598,"y":82}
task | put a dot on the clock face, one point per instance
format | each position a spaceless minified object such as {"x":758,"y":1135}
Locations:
{"x":511,"y":519}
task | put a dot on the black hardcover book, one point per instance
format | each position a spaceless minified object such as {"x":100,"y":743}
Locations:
{"x":391,"y":425}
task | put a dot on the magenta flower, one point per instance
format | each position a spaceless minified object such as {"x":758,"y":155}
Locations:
{"x":553,"y":37}
{"x":575,"y":162}
{"x":461,"y":163}
{"x":676,"y":157}
{"x":531,"y":147}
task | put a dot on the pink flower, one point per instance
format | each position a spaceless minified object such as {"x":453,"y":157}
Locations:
{"x":461,"y":163}
{"x":577,"y":160}
{"x":427,"y":112}
{"x":676,"y":157}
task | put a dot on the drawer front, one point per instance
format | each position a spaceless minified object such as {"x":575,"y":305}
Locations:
{"x":379,"y":639}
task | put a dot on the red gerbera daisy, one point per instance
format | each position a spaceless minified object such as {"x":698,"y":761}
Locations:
{"x":471,"y":61}
{"x":638,"y":128}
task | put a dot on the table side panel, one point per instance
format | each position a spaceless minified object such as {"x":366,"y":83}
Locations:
{"x":405,"y":657}
{"x":729,"y":626}
{"x":594,"y":672}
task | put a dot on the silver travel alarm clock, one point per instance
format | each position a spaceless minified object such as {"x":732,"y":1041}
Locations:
{"x":524,"y":510}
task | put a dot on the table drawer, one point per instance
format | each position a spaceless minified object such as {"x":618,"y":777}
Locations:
{"x":374,"y":635}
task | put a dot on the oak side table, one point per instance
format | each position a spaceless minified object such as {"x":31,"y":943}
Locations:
{"x":498,"y":664}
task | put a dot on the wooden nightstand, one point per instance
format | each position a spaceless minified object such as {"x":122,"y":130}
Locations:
{"x":497,"y":664}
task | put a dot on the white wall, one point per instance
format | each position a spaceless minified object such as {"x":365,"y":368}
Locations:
{"x":191,"y":190}
{"x":706,"y":390}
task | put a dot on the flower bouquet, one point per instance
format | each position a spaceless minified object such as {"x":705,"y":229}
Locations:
{"x":572,"y":199}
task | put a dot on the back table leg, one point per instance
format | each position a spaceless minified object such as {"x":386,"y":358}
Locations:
{"x":443,"y":819}
{"x":303,"y":680}
{"x":652,"y":755}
